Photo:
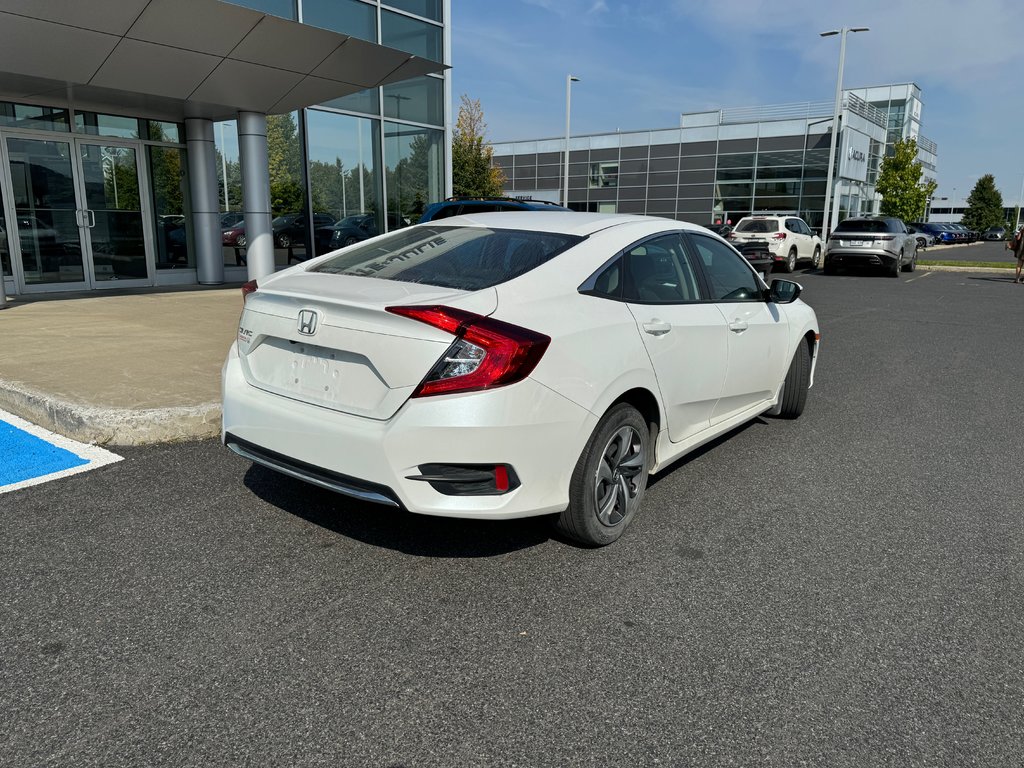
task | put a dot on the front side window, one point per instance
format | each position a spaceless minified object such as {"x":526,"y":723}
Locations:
{"x":729,"y":274}
{"x":464,"y":258}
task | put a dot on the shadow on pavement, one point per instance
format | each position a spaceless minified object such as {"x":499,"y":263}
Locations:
{"x":390,"y":528}
{"x":1000,"y":279}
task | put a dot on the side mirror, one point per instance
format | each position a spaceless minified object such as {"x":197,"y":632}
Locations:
{"x":784,"y":291}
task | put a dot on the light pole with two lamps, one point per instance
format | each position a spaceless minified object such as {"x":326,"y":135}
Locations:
{"x":569,"y":80}
{"x":829,"y":192}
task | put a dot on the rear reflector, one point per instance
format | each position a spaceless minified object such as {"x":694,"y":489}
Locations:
{"x":468,"y":479}
{"x":486,"y":353}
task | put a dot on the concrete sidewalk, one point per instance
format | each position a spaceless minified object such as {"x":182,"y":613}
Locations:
{"x":125,"y":370}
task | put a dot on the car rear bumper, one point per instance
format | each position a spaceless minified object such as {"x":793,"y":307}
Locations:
{"x":860,"y":257}
{"x":530,"y":428}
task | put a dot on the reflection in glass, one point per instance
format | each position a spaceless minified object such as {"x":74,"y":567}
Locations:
{"x":5,"y":250}
{"x":343,"y":178}
{"x":34,"y":117}
{"x":351,"y":17}
{"x":405,"y":34}
{"x":414,"y":161}
{"x":158,"y":130}
{"x":107,"y":125}
{"x":367,"y":102}
{"x":420,"y":100}
{"x":429,"y":9}
{"x":46,"y":217}
{"x":111,"y":178}
{"x":165,"y":171}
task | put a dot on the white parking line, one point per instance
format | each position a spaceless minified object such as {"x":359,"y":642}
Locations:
{"x":926,"y":274}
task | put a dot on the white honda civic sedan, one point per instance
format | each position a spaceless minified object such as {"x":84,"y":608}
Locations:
{"x":503,"y":365}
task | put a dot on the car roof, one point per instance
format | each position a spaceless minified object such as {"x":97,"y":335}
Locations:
{"x":567,"y":222}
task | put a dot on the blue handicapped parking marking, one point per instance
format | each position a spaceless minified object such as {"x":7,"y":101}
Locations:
{"x":30,"y":455}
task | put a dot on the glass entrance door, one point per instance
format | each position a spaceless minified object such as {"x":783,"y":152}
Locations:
{"x":113,"y":218}
{"x":76,"y":214}
{"x":47,"y":220}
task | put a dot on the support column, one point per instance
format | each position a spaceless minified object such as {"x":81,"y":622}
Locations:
{"x":202,"y":182}
{"x":255,"y":162}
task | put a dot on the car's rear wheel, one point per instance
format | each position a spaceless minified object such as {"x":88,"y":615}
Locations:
{"x":798,"y":379}
{"x":609,"y":480}
{"x":790,"y":263}
{"x":896,"y":266}
{"x":911,"y":265}
{"x":816,"y":258}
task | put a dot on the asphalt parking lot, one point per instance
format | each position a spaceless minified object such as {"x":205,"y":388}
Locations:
{"x":842,"y":590}
{"x":991,"y":251}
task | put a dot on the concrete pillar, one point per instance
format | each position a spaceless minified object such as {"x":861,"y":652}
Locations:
{"x":202,"y":181}
{"x":252,"y":150}
{"x":3,"y":293}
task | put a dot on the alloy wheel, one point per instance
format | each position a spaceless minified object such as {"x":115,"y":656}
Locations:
{"x":618,"y":478}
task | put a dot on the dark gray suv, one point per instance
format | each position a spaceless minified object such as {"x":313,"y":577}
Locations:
{"x":871,"y":241}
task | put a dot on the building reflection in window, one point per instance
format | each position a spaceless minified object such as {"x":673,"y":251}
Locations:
{"x":415,"y":161}
{"x":344,"y":178}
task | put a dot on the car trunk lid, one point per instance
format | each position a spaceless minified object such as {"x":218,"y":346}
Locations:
{"x":328,"y":340}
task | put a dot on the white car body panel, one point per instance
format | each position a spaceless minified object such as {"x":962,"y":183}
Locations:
{"x":351,"y":414}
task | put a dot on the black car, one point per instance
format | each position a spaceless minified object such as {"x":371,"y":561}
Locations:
{"x":290,"y":229}
{"x":347,"y":231}
{"x":457,"y":206}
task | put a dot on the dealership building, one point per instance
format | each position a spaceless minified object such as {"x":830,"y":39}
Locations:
{"x":721,"y":165}
{"x":133,"y":133}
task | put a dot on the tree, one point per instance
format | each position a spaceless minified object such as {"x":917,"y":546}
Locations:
{"x":473,"y":175}
{"x":285,"y":157}
{"x":899,"y":183}
{"x":984,"y":205}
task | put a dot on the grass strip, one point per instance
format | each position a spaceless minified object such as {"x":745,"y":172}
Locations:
{"x":951,"y":263}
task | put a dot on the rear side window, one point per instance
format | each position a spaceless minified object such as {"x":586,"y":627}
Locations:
{"x":758,"y":225}
{"x":863,"y":225}
{"x":464,"y":258}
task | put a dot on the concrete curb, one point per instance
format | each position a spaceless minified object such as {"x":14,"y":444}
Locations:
{"x":111,"y":426}
{"x":966,"y":268}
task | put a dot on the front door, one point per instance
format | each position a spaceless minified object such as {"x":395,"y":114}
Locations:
{"x":75,"y":214}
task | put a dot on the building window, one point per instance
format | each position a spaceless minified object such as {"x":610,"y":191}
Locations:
{"x":107,"y":125}
{"x":428,"y":9}
{"x":604,"y":175}
{"x":414,"y":161}
{"x":420,"y":100}
{"x":166,"y":172}
{"x":367,"y":102}
{"x":343,"y":177}
{"x":405,"y":34}
{"x":350,"y":17}
{"x":33,"y":117}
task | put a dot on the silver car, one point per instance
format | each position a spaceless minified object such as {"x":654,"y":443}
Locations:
{"x":871,"y":241}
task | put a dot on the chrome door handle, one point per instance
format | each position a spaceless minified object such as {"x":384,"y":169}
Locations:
{"x":657,"y":327}
{"x":92,"y":217}
{"x":738,"y":326}
{"x":79,"y":220}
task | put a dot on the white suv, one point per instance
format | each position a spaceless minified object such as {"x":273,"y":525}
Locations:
{"x":787,"y":239}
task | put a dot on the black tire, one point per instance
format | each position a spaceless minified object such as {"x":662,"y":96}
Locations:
{"x":790,"y":263}
{"x":283,"y":241}
{"x":349,"y":241}
{"x":582,"y":520}
{"x":816,"y":258}
{"x":241,"y":241}
{"x":911,"y":265}
{"x":829,"y":269}
{"x":896,"y":266}
{"x":794,"y":388}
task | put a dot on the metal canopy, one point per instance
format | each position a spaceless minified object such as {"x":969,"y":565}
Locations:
{"x":172,"y":59}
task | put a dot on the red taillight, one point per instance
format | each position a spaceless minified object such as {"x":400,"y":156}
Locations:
{"x":248,"y":288}
{"x":779,"y":236}
{"x":491,"y":352}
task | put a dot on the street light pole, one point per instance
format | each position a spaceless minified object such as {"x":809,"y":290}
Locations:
{"x":569,"y":80}
{"x":829,"y":192}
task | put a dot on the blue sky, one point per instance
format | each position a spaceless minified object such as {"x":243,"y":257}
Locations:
{"x":642,"y":62}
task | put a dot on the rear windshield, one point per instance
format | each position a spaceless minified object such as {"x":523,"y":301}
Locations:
{"x":758,"y":225}
{"x":464,"y":258}
{"x":863,"y":225}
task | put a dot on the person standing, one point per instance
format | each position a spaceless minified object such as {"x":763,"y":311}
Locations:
{"x":1017,"y":246}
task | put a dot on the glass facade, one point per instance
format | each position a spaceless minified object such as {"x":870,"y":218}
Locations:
{"x":343,"y":170}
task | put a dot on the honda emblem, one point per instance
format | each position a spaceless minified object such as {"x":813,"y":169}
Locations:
{"x":307,"y":322}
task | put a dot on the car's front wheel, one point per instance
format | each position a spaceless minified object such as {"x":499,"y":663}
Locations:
{"x":610,"y":478}
{"x":794,"y":388}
